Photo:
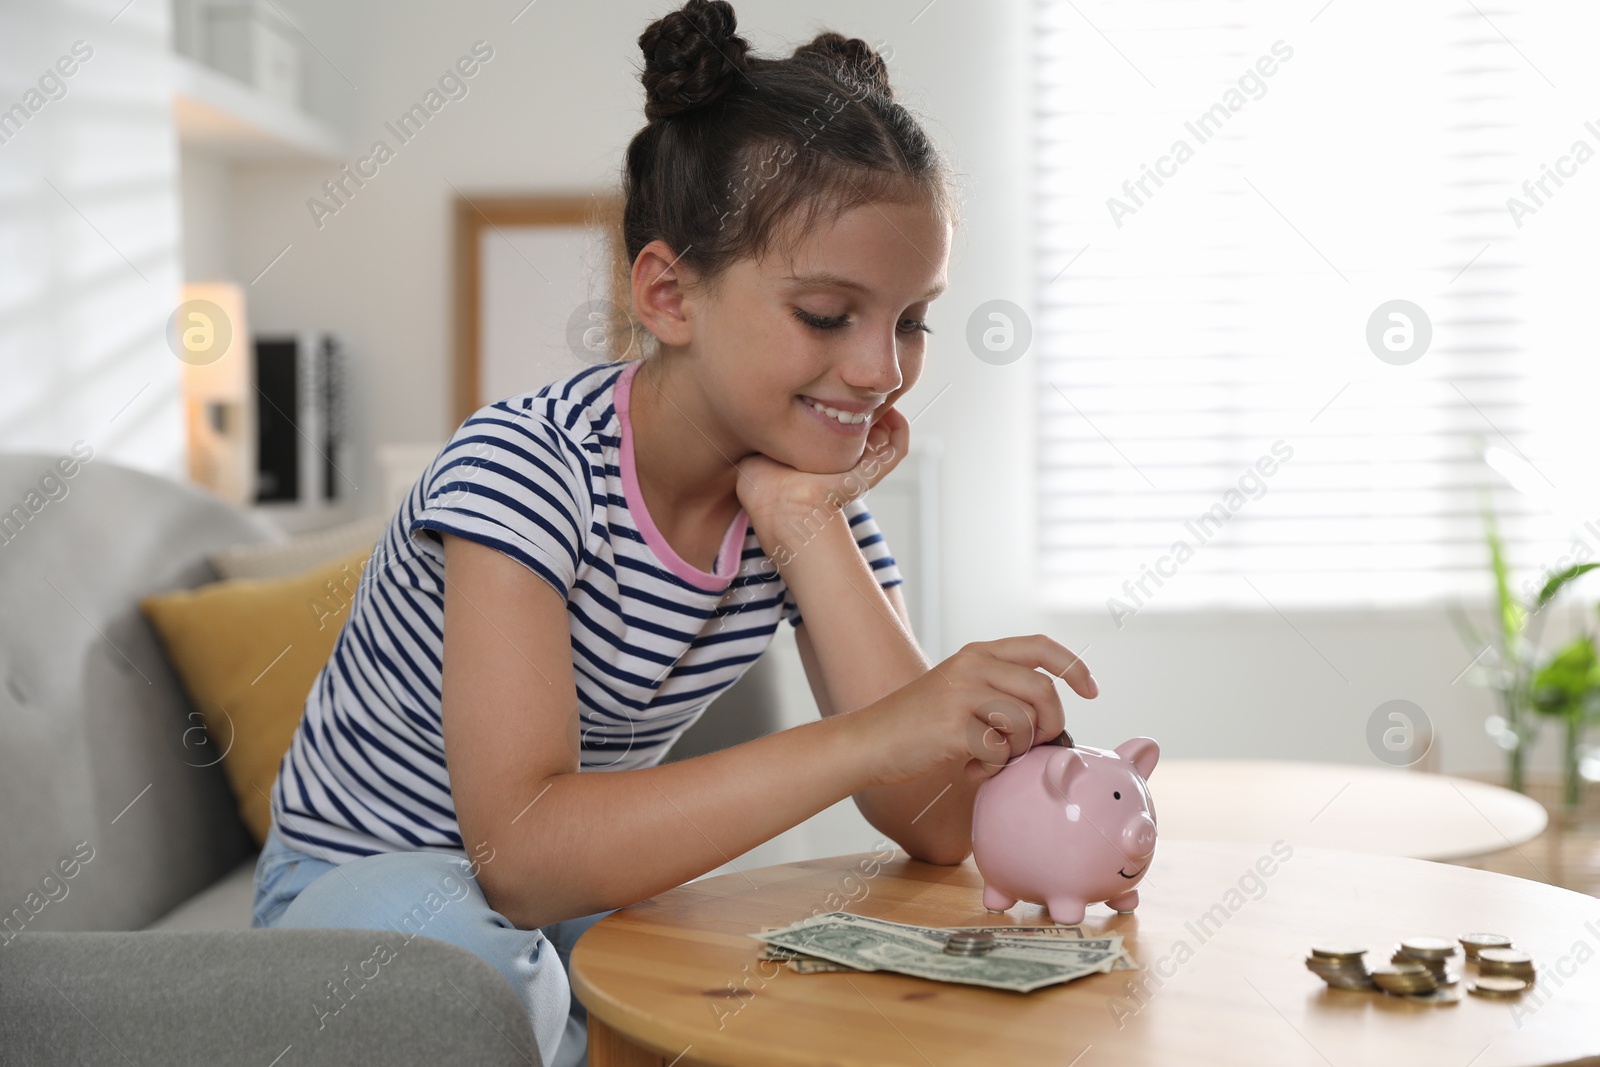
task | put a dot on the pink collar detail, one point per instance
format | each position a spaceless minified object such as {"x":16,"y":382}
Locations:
{"x":732,"y":550}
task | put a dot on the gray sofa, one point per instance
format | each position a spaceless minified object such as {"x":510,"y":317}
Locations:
{"x":126,"y":880}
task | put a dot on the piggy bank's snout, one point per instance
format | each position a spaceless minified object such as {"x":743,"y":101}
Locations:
{"x":1139,"y":837}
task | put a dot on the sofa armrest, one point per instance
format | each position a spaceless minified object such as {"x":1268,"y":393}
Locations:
{"x":249,"y":996}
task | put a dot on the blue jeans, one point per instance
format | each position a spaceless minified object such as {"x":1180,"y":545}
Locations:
{"x":410,"y":893}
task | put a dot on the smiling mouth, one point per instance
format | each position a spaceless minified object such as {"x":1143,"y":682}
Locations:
{"x":1135,"y":874}
{"x":853,"y":425}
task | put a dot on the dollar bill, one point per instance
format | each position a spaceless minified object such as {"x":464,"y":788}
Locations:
{"x":1009,"y":936}
{"x":1013,"y":930}
{"x":873,"y":945}
{"x":802,"y":963}
{"x":1056,"y":939}
{"x":813,"y":965}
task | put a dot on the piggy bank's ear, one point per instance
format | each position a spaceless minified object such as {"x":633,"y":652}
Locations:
{"x":1142,"y":752}
{"x":1063,"y":768}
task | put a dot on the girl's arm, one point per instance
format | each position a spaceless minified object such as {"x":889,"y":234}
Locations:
{"x":857,"y":647}
{"x":552,"y":843}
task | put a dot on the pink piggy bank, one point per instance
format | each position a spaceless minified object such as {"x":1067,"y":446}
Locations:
{"x":1066,"y":828}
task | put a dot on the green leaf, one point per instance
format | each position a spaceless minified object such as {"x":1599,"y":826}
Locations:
{"x":1564,"y":684}
{"x":1557,"y":581}
{"x":1512,"y":616}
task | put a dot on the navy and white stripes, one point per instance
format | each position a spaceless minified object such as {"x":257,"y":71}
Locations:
{"x":548,"y":478}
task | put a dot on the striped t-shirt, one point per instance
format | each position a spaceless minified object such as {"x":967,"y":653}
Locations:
{"x":547,"y":477}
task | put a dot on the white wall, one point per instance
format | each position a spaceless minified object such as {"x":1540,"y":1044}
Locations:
{"x":89,"y":234}
{"x":207,"y":197}
{"x":553,"y":111}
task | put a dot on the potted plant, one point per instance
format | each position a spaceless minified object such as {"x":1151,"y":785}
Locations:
{"x":1565,"y":686}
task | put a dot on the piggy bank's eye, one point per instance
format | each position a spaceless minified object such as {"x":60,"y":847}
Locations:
{"x":1117,"y":794}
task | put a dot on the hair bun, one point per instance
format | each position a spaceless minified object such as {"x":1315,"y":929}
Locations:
{"x":850,"y":59}
{"x":692,"y":57}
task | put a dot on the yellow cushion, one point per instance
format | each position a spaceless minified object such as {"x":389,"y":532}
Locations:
{"x":247,"y":652}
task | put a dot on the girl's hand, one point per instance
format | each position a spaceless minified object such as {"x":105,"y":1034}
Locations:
{"x":773,"y":492}
{"x":982,"y":706}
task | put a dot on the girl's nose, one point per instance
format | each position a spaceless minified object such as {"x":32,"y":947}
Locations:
{"x":876,"y":369}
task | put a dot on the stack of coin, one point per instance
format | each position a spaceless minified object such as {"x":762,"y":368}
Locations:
{"x":1498,"y":987}
{"x":1341,"y":966}
{"x":1505,"y":961}
{"x":969,"y":943}
{"x":1432,"y":952}
{"x":1472,"y":944}
{"x":1503,"y":972}
{"x":1405,"y":978}
{"x":1419,"y":968}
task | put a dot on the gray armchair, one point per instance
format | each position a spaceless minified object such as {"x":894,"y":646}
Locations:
{"x":143,"y":952}
{"x":99,"y":777}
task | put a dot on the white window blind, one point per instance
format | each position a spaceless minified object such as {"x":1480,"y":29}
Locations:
{"x":1223,"y":197}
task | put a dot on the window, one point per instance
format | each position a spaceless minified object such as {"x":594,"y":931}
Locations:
{"x":1227,"y":204}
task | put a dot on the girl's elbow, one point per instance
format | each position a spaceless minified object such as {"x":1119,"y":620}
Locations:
{"x":944,"y":856}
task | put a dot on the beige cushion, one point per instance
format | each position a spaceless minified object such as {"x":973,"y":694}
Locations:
{"x":248,"y":652}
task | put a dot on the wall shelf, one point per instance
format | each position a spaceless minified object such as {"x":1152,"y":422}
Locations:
{"x":234,"y":120}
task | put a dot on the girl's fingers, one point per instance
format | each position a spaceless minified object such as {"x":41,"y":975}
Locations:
{"x":888,"y":441}
{"x":1039,"y":716}
{"x":1037,"y":650}
{"x":899,"y":433}
{"x":998,"y":730}
{"x":897,"y":425}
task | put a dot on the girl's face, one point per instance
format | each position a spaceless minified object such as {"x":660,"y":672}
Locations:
{"x":836,"y":321}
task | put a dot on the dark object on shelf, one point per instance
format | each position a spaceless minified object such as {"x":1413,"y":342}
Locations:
{"x":301,"y":426}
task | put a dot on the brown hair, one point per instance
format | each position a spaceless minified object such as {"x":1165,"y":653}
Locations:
{"x":740,"y":150}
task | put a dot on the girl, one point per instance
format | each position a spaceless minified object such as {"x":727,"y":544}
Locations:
{"x":585,"y":566}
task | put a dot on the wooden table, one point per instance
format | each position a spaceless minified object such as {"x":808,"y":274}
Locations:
{"x":1384,"y":810}
{"x":675,"y":980}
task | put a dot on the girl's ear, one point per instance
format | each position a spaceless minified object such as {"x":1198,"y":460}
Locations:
{"x":658,"y":296}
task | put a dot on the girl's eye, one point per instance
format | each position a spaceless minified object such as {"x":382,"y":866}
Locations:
{"x":820,"y":322}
